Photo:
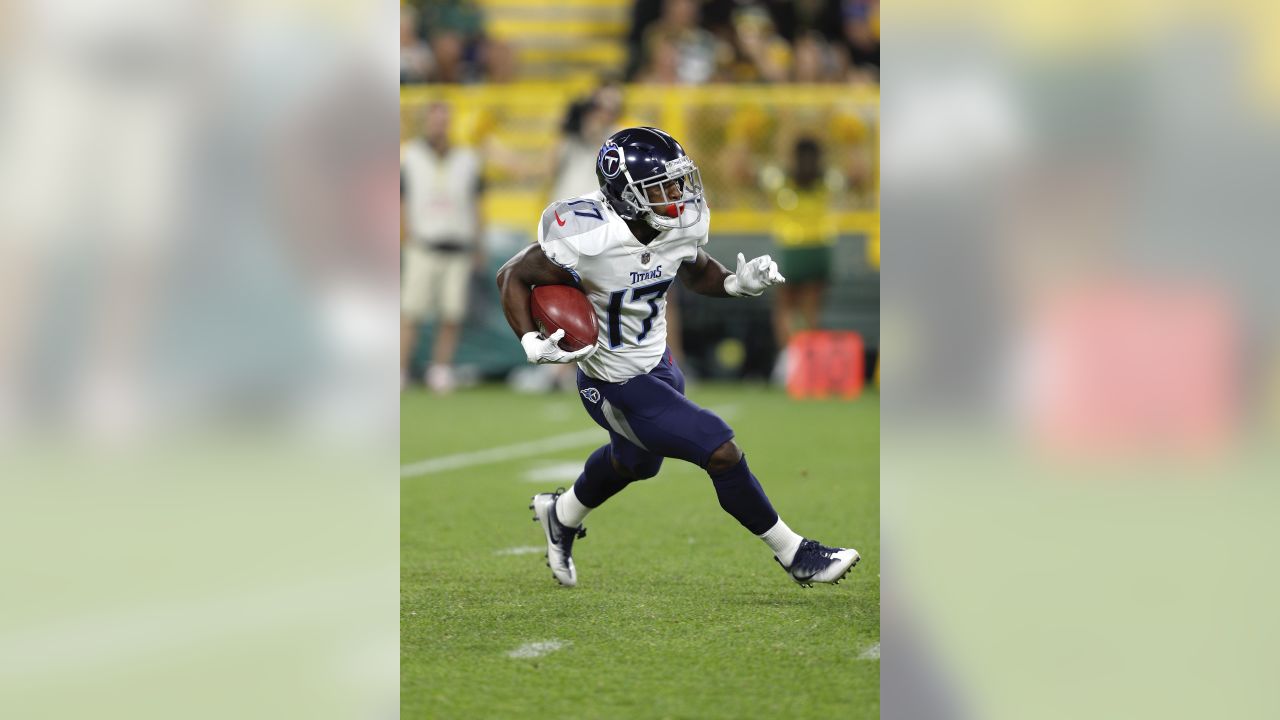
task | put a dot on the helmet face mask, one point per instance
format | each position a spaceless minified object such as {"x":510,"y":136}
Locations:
{"x":646,"y":175}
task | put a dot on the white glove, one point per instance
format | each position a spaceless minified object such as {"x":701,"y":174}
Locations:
{"x":751,"y":278}
{"x":540,"y":350}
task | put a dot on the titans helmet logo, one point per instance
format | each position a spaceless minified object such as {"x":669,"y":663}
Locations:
{"x":610,"y":160}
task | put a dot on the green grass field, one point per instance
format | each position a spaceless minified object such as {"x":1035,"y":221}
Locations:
{"x":679,"y":612}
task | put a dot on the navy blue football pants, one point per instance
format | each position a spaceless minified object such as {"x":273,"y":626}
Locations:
{"x":649,"y":418}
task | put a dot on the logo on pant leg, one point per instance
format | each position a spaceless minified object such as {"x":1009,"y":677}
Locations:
{"x":591,"y":394}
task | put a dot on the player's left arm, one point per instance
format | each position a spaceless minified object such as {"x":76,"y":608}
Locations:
{"x":706,"y":276}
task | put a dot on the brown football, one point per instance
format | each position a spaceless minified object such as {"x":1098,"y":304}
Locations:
{"x":556,"y":307}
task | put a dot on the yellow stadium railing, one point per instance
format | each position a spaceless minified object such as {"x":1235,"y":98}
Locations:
{"x":740,"y":136}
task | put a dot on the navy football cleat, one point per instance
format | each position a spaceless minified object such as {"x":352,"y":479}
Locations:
{"x":560,"y":537}
{"x":817,"y":563}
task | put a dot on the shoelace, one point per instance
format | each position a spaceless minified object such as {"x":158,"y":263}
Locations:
{"x":812,"y":556}
{"x":567,"y":538}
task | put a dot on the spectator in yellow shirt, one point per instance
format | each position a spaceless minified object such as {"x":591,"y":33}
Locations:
{"x":805,"y":233}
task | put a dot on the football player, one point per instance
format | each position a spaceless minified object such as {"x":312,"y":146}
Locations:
{"x":623,"y":246}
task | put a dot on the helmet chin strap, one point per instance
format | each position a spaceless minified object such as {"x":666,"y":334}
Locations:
{"x":633,"y":209}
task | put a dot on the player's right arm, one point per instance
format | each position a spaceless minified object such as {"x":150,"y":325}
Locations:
{"x":516,"y":279}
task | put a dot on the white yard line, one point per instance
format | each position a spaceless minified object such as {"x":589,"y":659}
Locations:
{"x":503,"y":453}
{"x":521,"y":550}
{"x":558,"y":472}
{"x":533,"y":448}
{"x":536,"y":649}
{"x":871,"y":653}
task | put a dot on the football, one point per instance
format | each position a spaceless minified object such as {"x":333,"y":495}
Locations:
{"x":556,"y":307}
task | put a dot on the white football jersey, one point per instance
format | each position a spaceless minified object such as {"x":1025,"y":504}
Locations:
{"x":626,"y":281}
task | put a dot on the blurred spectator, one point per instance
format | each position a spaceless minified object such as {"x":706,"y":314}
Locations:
{"x":811,"y":60}
{"x":805,"y":233}
{"x":794,"y":19}
{"x":416,"y":60}
{"x":441,"y":206}
{"x":586,"y":125}
{"x":450,"y":58}
{"x":854,"y":168}
{"x":643,"y":14}
{"x":455,"y":29}
{"x":862,"y":40}
{"x":813,"y":41}
{"x":500,"y":63}
{"x":697,"y":51}
{"x":462,"y":18}
{"x":762,"y":55}
{"x":662,"y":63}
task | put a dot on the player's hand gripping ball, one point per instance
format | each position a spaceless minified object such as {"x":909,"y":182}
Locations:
{"x":567,"y":325}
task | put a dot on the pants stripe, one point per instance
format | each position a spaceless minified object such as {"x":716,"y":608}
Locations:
{"x":618,"y":422}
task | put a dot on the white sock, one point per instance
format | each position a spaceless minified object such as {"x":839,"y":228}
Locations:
{"x":782,"y":540}
{"x":571,"y":511}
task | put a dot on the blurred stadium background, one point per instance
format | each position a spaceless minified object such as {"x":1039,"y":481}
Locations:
{"x":737,"y":82}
